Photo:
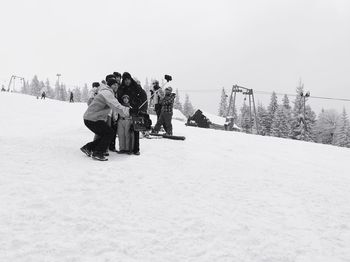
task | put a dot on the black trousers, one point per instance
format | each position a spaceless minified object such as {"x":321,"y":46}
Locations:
{"x":165,"y":120}
{"x":158,"y":109}
{"x":105,"y":135}
{"x":136,"y":141}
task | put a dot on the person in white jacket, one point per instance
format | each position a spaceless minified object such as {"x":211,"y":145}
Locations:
{"x":95,"y":119}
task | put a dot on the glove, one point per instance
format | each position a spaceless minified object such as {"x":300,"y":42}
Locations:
{"x":152,"y":92}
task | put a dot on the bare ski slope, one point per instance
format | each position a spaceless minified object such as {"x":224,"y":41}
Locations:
{"x":218,"y":196}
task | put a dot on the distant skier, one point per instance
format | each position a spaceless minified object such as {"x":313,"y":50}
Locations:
{"x":43,"y":95}
{"x":71,"y":99}
{"x":156,"y":95}
{"x":166,"y":114}
{"x":95,"y":119}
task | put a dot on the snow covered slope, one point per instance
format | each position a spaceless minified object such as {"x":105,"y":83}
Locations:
{"x":217,"y":196}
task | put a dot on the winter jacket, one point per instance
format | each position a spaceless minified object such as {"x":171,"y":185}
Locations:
{"x":102,"y":104}
{"x":136,"y":94}
{"x":93,"y":92}
{"x":167,"y":103}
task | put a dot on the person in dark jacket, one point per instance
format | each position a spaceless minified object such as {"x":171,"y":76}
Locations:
{"x":95,"y":119}
{"x":71,"y":98}
{"x":43,"y":95}
{"x":138,"y":103}
{"x":166,"y":112}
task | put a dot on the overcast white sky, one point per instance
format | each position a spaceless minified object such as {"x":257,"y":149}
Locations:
{"x":205,"y":45}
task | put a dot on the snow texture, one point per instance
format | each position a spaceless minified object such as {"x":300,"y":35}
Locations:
{"x":177,"y":115}
{"x":218,"y":196}
{"x":218,"y":120}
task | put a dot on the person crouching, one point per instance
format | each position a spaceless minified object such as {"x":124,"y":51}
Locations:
{"x":125,"y":135}
{"x":95,"y":119}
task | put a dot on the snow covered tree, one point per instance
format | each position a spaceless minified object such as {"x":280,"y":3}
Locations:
{"x":302,"y":127}
{"x":25,"y":88}
{"x":77,"y":94}
{"x":342,"y":131}
{"x":57,"y":91}
{"x":262,"y":118}
{"x":285,"y":102}
{"x":35,"y":87}
{"x":223,"y":104}
{"x":244,"y":119}
{"x":188,"y":109}
{"x":287,"y":109}
{"x":147,"y":88}
{"x":325,"y":126}
{"x":50,"y":93}
{"x":271,"y":110}
{"x":85,"y":94}
{"x":177,"y":103}
{"x":280,"y":126}
{"x":63,"y":95}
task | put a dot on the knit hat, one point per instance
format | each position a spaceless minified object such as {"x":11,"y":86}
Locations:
{"x":125,"y":96}
{"x":111,"y":81}
{"x":126,"y":75}
{"x":117,"y":74}
{"x":95,"y":84}
{"x":169,"y":88}
{"x":109,"y":76}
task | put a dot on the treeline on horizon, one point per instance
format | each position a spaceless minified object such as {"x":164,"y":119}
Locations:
{"x":281,"y":119}
{"x":60,"y":92}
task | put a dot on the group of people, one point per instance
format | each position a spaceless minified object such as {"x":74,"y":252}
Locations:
{"x":112,"y":104}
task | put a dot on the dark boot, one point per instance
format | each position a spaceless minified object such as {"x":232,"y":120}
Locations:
{"x":86,"y":151}
{"x":99,"y":156}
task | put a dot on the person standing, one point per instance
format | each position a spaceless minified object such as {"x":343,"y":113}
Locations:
{"x":43,"y":95}
{"x":125,"y":135}
{"x":166,"y":114}
{"x":138,"y":103}
{"x":156,"y":95}
{"x":95,"y":119}
{"x":71,"y":99}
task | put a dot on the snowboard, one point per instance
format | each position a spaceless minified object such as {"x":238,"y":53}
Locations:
{"x":167,"y":136}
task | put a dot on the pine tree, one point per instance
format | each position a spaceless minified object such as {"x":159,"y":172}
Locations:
{"x":325,"y":126}
{"x":244,"y":119}
{"x":188,"y":109}
{"x":35,"y":87}
{"x":271,"y":110}
{"x":49,"y":91}
{"x":302,"y":127}
{"x":77,"y":94}
{"x":24,"y":88}
{"x":285,"y":102}
{"x":223,"y":104}
{"x":342,"y":131}
{"x":262,"y":117}
{"x":287,"y":109}
{"x":177,"y":103}
{"x":85,"y":94}
{"x":280,"y":126}
{"x":57,"y":91}
{"x":147,"y":89}
{"x":63,"y":95}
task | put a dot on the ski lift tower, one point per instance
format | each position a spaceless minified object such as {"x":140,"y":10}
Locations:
{"x":245,"y":91}
{"x":13,"y":78}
